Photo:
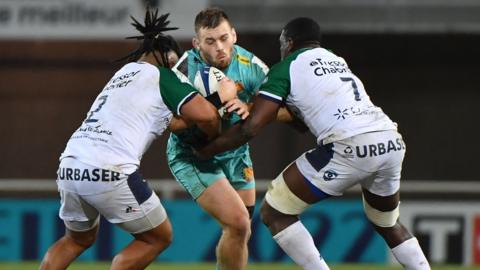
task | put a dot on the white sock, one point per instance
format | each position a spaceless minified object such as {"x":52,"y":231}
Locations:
{"x":297,"y":242}
{"x":410,"y":255}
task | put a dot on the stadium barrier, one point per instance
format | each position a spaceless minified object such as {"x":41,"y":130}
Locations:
{"x":445,"y":217}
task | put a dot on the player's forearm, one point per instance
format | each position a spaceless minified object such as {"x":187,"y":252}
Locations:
{"x":231,"y":139}
{"x":210,"y":127}
{"x":284,"y":115}
{"x":177,"y":123}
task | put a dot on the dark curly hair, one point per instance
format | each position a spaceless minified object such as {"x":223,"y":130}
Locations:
{"x":154,"y":39}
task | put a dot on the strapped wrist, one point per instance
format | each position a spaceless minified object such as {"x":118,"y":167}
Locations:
{"x":215,"y":100}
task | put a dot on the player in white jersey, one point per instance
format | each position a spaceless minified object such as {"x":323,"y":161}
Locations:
{"x":357,"y":144}
{"x":98,"y":173}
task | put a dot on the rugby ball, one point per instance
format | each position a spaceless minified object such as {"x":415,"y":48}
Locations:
{"x":207,"y":80}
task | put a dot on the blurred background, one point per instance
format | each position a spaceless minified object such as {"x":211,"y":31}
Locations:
{"x":416,"y":58}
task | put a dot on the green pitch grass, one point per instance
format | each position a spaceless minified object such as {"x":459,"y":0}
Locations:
{"x":164,"y":266}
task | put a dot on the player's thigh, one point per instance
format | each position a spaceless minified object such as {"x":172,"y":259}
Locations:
{"x":222,"y":202}
{"x":288,"y":194}
{"x":239,"y":171}
{"x":161,"y":234}
{"x":247,"y":196}
{"x":84,"y":238}
{"x":385,"y":183}
{"x":326,"y":172}
{"x":381,"y":203}
{"x":195,"y":175}
{"x":77,"y":214}
{"x":382,"y":191}
{"x":132,"y":205}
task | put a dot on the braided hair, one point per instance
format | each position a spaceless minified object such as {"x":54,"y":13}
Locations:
{"x":154,"y":39}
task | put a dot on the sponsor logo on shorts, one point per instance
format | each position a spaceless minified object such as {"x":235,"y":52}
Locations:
{"x":248,"y":174}
{"x":90,"y":175}
{"x":348,"y":152}
{"x":130,"y":209}
{"x":329,"y":175}
{"x":378,"y":149}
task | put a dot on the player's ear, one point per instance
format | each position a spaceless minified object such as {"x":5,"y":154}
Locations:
{"x":195,"y":43}
{"x":234,"y":35}
{"x":290,"y":44}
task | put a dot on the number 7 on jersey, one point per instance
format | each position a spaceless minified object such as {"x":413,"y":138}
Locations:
{"x":354,"y":86}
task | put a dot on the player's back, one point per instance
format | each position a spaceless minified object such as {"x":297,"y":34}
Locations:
{"x":123,"y":120}
{"x":330,"y":99}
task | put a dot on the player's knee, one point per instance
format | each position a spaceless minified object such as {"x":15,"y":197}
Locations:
{"x":85,"y":241}
{"x":240,"y":226}
{"x":251,"y":211}
{"x":159,"y":237}
{"x":383,"y":219}
{"x":267,"y":213}
{"x":164,"y":239}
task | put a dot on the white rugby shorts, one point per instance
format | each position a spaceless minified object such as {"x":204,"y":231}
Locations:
{"x":87,"y":192}
{"x":373,"y":160}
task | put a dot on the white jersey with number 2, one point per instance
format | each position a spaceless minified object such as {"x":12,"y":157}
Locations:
{"x":133,"y":108}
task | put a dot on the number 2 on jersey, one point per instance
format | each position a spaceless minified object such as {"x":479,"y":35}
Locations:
{"x":354,"y":86}
{"x":102,"y":100}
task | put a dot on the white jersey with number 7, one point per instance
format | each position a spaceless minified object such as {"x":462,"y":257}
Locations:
{"x":320,"y":89}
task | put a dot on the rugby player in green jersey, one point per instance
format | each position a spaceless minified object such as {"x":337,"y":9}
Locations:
{"x":224,"y":186}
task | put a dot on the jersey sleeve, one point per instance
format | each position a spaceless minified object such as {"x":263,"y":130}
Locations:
{"x":174,"y":92}
{"x":277,"y":84}
{"x":260,"y":71}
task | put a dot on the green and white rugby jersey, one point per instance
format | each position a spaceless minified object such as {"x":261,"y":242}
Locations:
{"x":133,"y":108}
{"x":320,"y":89}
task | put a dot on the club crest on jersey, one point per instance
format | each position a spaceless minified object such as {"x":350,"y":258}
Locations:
{"x":329,"y":175}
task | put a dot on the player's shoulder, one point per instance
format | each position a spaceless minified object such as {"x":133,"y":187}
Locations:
{"x":248,"y":59}
{"x":136,"y":69}
{"x":322,"y":52}
{"x":167,"y":76}
{"x":142,"y":66}
{"x":182,"y":64}
{"x":286,"y":62}
{"x":299,"y":57}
